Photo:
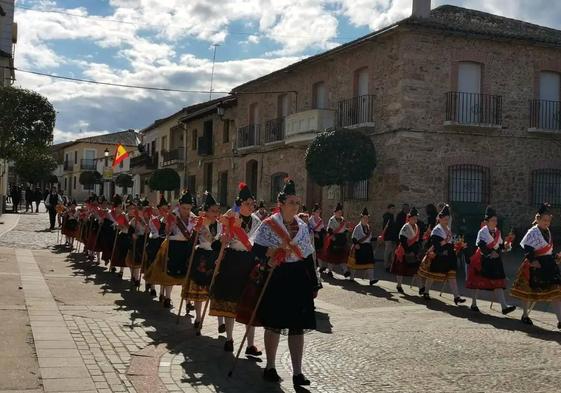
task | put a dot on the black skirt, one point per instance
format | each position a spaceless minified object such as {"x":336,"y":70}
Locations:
{"x":152,"y":249}
{"x":318,"y":239}
{"x":138,"y":246}
{"x":178,"y":257}
{"x":492,"y":268}
{"x":445,"y":261}
{"x":121,"y":249}
{"x":233,"y":275}
{"x":203,"y":266}
{"x":288,"y":302}
{"x":364,"y":255}
{"x":548,"y":274}
{"x":339,"y":243}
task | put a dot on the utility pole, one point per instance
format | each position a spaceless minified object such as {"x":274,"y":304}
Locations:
{"x":212,"y":73}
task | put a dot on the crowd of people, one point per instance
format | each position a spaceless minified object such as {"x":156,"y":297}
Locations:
{"x":263,"y":268}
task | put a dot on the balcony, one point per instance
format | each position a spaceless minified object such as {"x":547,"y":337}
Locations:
{"x":68,"y":166}
{"x":355,"y":112}
{"x":248,"y":136}
{"x":274,"y":130}
{"x":145,"y":160}
{"x":473,"y":109}
{"x":204,"y":146}
{"x":545,"y":116}
{"x":303,"y":126}
{"x":88,"y":164}
{"x":172,"y":157}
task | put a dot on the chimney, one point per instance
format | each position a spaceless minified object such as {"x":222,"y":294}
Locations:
{"x":421,"y":9}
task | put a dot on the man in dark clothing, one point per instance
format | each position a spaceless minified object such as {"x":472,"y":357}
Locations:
{"x":29,"y":197}
{"x":401,"y":217}
{"x":38,"y":198}
{"x":51,"y":202}
{"x":16,"y":197}
{"x":390,"y":235}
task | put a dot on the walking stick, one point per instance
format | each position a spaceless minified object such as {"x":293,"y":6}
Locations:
{"x":97,"y":235}
{"x":186,"y":283}
{"x":252,"y":319}
{"x":114,"y":245}
{"x":214,"y":274}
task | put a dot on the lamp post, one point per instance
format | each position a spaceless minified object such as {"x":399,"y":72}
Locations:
{"x":108,"y":182}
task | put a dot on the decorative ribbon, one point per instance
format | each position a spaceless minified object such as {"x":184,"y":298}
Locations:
{"x":281,"y":254}
{"x":238,"y":232}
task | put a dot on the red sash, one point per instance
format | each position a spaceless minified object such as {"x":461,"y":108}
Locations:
{"x":281,"y":254}
{"x":337,"y":230}
{"x":157,"y":223}
{"x":539,"y":253}
{"x":184,"y":229}
{"x":400,"y":251}
{"x":365,"y":236}
{"x":239,"y":233}
{"x":475,"y":259}
{"x":319,"y":223}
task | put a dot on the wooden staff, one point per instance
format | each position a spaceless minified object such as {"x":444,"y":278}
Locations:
{"x":97,"y":235}
{"x":186,"y":283}
{"x":142,"y":263}
{"x":114,"y":244}
{"x":252,"y":319}
{"x":214,"y":274}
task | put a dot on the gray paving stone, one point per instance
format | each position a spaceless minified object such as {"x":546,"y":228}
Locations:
{"x":68,"y":385}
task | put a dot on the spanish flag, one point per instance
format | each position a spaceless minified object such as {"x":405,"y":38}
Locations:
{"x":120,"y":154}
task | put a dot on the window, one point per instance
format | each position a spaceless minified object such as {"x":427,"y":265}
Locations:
{"x":468,"y":183}
{"x":76,"y":157}
{"x":277,"y":184}
{"x":356,"y":190}
{"x":319,"y":96}
{"x":282,"y":106}
{"x":251,"y":171}
{"x":361,"y":82}
{"x":254,"y":113}
{"x":194,"y":139}
{"x":208,"y":176}
{"x":74,"y":187}
{"x":226,"y":131}
{"x":546,"y":187}
{"x":121,"y":164}
{"x":192,"y":183}
{"x":164,"y":142}
{"x":223,"y":188}
{"x":65,"y":184}
{"x":549,"y":105}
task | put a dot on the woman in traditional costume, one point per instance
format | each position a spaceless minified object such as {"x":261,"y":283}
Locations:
{"x":287,"y":306}
{"x":108,"y":233}
{"x":121,"y":245}
{"x":486,"y":270}
{"x":440,"y":262}
{"x":407,"y":254}
{"x":336,"y":245}
{"x":71,"y":225}
{"x":361,"y":257}
{"x":206,"y":254}
{"x":241,"y":224}
{"x":318,"y":234}
{"x":539,"y":279}
{"x":139,"y":230}
{"x":262,"y":212}
{"x":156,"y":226}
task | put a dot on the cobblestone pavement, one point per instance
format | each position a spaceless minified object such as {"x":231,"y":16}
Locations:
{"x":369,"y":339}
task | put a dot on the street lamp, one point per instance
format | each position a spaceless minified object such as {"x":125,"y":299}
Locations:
{"x":106,"y":152}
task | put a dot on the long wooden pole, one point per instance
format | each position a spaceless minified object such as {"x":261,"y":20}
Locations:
{"x":186,"y":283}
{"x":114,"y":245}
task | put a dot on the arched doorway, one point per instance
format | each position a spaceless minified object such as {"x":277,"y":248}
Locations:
{"x":251,"y":176}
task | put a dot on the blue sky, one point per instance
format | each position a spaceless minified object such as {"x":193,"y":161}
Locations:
{"x":168,"y":43}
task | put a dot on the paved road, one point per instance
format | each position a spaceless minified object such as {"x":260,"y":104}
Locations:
{"x":92,"y":333}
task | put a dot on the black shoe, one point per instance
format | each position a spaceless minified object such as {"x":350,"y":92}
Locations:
{"x":161,"y":298}
{"x":474,"y":308}
{"x":253,"y":351}
{"x":137,"y":284}
{"x":426,"y":296}
{"x":271,"y":375}
{"x":322,"y":270}
{"x":387,"y":270}
{"x":400,"y":289}
{"x":196,"y":325}
{"x":508,"y":310}
{"x":558,"y":325}
{"x":222,"y":328}
{"x":167,"y":303}
{"x":113,"y":269}
{"x":372,"y":282}
{"x":527,"y":321}
{"x":347,"y":274}
{"x":421,"y":291}
{"x":459,"y":300}
{"x":229,"y":346}
{"x":147,"y":288}
{"x":300,"y":380}
{"x":153,"y":293}
{"x":330,"y":274}
{"x":190,"y":306}
{"x":121,"y":274}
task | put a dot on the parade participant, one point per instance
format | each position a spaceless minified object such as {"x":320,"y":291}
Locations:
{"x":122,"y":242}
{"x":440,"y":262}
{"x":336,"y":248}
{"x":287,"y":306}
{"x":108,"y":232}
{"x":93,"y":225}
{"x":406,"y":261}
{"x":262,"y":212}
{"x":318,"y":232}
{"x":156,"y":236}
{"x":389,"y":235}
{"x":241,"y":224}
{"x":51,"y":202}
{"x":71,"y":225}
{"x":538,"y":278}
{"x":486,"y":270}
{"x":170,"y":266}
{"x":361,"y":257}
{"x":139,"y":229}
{"x":206,"y":254}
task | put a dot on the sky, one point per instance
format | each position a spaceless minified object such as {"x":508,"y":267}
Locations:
{"x":170,"y":44}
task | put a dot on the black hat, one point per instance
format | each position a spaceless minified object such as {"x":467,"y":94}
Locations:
{"x":144,"y":202}
{"x":490,"y":213}
{"x":245,"y":193}
{"x":316,"y":207}
{"x":261,"y":204}
{"x":364,"y":212}
{"x":162,"y":202}
{"x":544,"y":209}
{"x":208,"y":201}
{"x":304,"y":209}
{"x":117,"y":200}
{"x":445,"y":212}
{"x":186,"y":198}
{"x":413,"y":212}
{"x":288,"y":189}
{"x":338,"y":207}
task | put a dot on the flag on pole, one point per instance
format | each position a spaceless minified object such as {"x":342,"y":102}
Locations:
{"x":120,"y":154}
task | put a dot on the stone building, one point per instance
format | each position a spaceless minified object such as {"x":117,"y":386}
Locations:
{"x":197,"y":143}
{"x":462,"y":106}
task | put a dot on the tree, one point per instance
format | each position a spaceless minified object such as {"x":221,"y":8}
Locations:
{"x":165,"y":179}
{"x":35,"y":164}
{"x":89,"y":178}
{"x":53,"y":179}
{"x":125,"y":181}
{"x":27,"y":120}
{"x":340,"y":156}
